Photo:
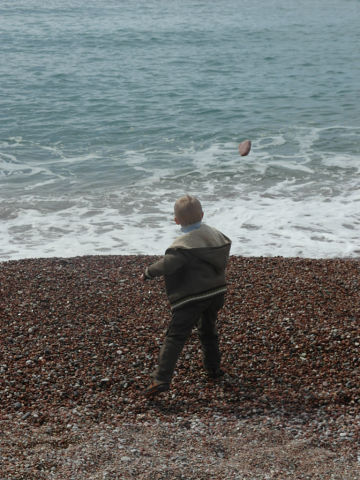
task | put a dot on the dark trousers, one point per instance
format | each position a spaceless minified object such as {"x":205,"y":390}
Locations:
{"x":203,"y":315}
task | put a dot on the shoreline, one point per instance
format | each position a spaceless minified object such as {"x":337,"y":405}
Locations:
{"x":147,"y":255}
{"x":81,"y":336}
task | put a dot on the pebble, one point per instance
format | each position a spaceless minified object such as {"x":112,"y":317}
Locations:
{"x":289,"y":335}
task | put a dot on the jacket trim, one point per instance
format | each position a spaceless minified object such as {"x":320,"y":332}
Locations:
{"x":199,"y":296}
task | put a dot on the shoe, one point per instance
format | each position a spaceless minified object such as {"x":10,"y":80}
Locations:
{"x":155,"y":388}
{"x":215,"y":374}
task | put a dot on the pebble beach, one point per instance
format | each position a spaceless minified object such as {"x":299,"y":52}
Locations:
{"x":80,"y":337}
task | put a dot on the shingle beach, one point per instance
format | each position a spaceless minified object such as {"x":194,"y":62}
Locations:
{"x":80,"y":338}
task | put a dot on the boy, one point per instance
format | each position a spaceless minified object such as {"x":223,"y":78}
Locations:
{"x":194,"y":271}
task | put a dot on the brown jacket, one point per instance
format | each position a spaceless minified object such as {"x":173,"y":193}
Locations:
{"x":194,"y":266}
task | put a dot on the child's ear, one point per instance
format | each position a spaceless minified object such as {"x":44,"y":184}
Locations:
{"x":177,"y":221}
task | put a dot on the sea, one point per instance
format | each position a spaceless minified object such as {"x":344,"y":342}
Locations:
{"x":110,"y":110}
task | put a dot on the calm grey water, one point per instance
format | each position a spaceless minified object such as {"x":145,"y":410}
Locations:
{"x":110,"y":110}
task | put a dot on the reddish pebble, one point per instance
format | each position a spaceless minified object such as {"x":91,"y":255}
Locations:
{"x":244,"y":148}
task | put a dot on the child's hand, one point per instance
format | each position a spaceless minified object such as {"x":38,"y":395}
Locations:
{"x":146,"y":276}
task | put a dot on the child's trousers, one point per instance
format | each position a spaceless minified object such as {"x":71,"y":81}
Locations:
{"x":202,"y":314}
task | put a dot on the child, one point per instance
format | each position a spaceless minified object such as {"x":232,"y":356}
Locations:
{"x":194,"y":271}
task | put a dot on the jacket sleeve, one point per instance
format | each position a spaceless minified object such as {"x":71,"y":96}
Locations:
{"x":156,"y":269}
{"x":171,"y":261}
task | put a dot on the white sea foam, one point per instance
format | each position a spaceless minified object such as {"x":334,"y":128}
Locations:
{"x":11,"y":166}
{"x":269,"y":203}
{"x":257,"y":225}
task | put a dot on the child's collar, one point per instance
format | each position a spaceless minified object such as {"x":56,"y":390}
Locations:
{"x":190,"y":228}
